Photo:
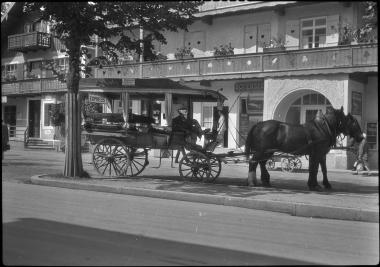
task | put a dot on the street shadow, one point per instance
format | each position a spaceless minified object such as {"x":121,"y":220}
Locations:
{"x":39,"y":242}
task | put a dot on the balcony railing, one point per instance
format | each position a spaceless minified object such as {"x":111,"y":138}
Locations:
{"x":33,"y":86}
{"x":29,"y":41}
{"x":334,"y":58}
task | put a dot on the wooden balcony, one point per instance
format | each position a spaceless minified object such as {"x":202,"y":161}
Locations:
{"x":33,"y":86}
{"x":313,"y":61}
{"x":30,"y":41}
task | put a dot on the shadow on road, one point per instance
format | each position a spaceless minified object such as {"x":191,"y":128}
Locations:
{"x":37,"y":242}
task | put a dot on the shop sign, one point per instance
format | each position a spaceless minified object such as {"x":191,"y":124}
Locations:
{"x":96,"y":99}
{"x":128,"y":82}
{"x":4,"y":99}
{"x":251,"y":86}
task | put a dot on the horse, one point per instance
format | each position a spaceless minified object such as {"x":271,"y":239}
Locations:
{"x":314,"y":138}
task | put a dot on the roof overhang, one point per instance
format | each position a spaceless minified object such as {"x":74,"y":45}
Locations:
{"x":147,"y":87}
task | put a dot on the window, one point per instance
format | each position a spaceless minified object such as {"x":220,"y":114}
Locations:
{"x":8,"y":72}
{"x":48,"y":113}
{"x":63,"y":63}
{"x":207,"y":116}
{"x":372,"y":135}
{"x":313,"y":32}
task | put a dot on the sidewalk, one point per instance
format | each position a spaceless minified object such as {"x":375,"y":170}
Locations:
{"x":353,"y":197}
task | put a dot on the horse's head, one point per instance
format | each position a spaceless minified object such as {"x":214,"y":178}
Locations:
{"x":340,"y":119}
{"x":353,"y":128}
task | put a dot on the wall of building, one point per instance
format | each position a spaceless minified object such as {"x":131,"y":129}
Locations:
{"x":231,"y":28}
{"x":371,"y":111}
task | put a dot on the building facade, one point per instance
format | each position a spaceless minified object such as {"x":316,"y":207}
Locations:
{"x":290,"y":59}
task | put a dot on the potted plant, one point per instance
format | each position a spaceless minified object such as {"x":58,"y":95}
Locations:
{"x":184,"y":53}
{"x":10,"y":78}
{"x":348,"y":35}
{"x":274,"y":45}
{"x":224,"y":50}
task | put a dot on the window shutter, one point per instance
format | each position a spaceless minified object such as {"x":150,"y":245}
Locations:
{"x":263,"y":35}
{"x":250,"y":38}
{"x":20,"y":71}
{"x":332,"y":31}
{"x":292,"y":36}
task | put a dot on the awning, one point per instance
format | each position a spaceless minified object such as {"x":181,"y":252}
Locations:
{"x":148,"y":87}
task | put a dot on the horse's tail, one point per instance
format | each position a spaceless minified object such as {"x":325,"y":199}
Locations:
{"x":248,"y":142}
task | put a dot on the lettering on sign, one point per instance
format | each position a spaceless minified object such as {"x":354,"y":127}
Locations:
{"x":129,"y":82}
{"x":257,"y":85}
{"x":96,"y":99}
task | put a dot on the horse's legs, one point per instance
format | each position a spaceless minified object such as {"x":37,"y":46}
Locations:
{"x":313,"y":172}
{"x":252,"y":181}
{"x":264,"y":173}
{"x":322,"y":162}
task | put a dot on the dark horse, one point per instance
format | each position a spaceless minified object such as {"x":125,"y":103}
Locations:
{"x":313,"y":138}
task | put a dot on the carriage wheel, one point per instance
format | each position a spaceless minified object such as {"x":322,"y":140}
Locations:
{"x":110,"y":157}
{"x":138,"y":161}
{"x":270,"y":164}
{"x":285,"y":165}
{"x":215,"y":169}
{"x":296,"y":163}
{"x":194,"y":166}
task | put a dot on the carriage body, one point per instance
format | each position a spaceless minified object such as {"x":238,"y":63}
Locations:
{"x":122,"y":141}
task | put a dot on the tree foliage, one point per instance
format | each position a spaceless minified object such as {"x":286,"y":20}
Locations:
{"x":76,"y":23}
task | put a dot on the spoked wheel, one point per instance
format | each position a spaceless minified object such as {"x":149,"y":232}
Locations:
{"x":295,"y":163}
{"x":286,"y":165}
{"x":110,"y":157}
{"x":138,"y":161}
{"x":270,"y":164}
{"x":215,"y":169}
{"x":194,"y":166}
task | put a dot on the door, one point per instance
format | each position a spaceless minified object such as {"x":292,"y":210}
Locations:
{"x":34,"y":118}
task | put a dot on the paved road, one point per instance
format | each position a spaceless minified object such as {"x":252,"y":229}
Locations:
{"x":57,"y":226}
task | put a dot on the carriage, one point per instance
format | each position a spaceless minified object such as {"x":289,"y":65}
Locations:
{"x":122,"y":140}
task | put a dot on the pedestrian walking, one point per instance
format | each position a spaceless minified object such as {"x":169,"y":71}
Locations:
{"x":362,"y":156}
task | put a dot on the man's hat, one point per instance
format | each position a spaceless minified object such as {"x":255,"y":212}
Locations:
{"x":182,"y":108}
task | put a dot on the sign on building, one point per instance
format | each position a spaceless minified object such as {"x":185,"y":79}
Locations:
{"x":251,"y":86}
{"x":96,"y":99}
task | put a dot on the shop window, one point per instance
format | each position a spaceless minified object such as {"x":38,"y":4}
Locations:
{"x":49,"y":110}
{"x":207,"y":116}
{"x":313,"y":32}
{"x":372,"y":135}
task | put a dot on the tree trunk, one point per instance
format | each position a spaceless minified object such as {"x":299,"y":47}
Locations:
{"x":73,"y":156}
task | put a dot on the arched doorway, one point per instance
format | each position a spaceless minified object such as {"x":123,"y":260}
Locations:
{"x":305,"y":108}
{"x":301,"y":106}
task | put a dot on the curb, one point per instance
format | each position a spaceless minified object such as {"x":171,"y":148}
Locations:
{"x":294,"y":209}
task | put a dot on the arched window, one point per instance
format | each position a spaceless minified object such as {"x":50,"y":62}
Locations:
{"x":304,"y":108}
